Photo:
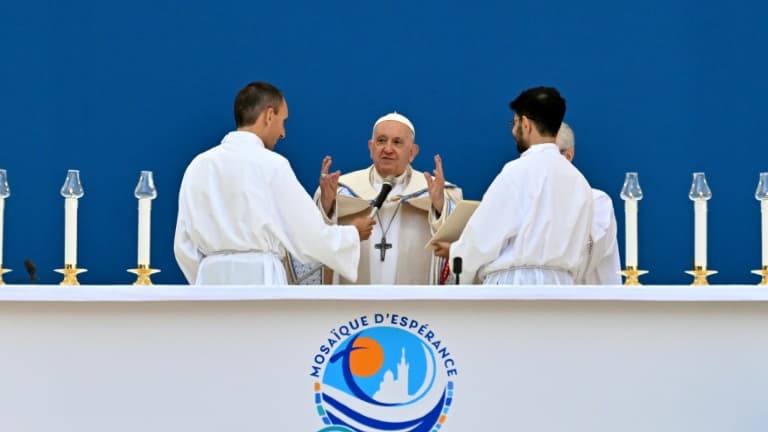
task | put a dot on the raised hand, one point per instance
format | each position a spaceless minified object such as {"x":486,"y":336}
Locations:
{"x":436,"y":185}
{"x":364,"y":225}
{"x":329,"y":183}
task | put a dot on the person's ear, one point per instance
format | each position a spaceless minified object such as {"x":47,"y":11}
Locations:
{"x":527,"y":125}
{"x":569,"y":153}
{"x":270,"y":115}
{"x":414,"y":152}
{"x":371,"y":147}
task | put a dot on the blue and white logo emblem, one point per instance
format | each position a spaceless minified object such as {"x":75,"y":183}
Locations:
{"x":388,"y":373}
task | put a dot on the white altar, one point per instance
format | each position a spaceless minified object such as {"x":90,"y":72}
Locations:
{"x":178,"y":358}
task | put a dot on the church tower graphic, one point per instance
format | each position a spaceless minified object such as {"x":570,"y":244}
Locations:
{"x":394,"y":389}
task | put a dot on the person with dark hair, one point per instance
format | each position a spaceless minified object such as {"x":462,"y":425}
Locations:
{"x":532,"y":225}
{"x":602,"y":264}
{"x":241,"y":207}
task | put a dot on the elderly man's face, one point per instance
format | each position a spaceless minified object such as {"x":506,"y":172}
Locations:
{"x":392,"y":148}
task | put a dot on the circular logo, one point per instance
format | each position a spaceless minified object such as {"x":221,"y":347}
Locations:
{"x":384,"y":379}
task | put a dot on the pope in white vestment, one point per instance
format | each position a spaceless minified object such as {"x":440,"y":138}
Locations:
{"x":241,"y":207}
{"x":602,"y":263}
{"x":395,"y":252}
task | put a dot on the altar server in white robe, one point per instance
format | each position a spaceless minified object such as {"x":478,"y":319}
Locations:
{"x":417,"y":206}
{"x":602,"y":263}
{"x":241,"y":206}
{"x":533,"y":222}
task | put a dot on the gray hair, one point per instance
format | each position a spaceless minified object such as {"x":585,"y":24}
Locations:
{"x":565,"y":138}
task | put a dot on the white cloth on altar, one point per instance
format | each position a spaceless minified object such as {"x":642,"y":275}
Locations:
{"x":241,"y":207}
{"x":533,"y":223}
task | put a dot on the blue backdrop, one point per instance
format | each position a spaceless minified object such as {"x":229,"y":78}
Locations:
{"x":111,"y":88}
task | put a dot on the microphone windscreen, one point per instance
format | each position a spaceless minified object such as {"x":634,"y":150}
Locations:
{"x":389,"y":182}
{"x":457,"y":265}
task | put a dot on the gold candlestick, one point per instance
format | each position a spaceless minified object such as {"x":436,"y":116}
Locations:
{"x":632,"y":275}
{"x":142,"y":273}
{"x":2,"y":272}
{"x":700,"y":274}
{"x":70,"y":273}
{"x":764,"y":273}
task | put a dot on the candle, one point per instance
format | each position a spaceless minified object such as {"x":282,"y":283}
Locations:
{"x":630,"y":217}
{"x":145,"y":208}
{"x":700,"y":234}
{"x":631,"y":193}
{"x":70,"y":231}
{"x":761,"y":194}
{"x":72,"y":190}
{"x":699,"y":194}
{"x":5,"y":192}
{"x":2,"y":217}
{"x":764,"y":229}
{"x":145,"y":192}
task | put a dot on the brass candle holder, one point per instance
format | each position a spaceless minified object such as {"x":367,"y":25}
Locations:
{"x":142,"y":273}
{"x":631,"y":276}
{"x":764,"y":273}
{"x":2,"y":272}
{"x":70,"y":273}
{"x":700,"y":275}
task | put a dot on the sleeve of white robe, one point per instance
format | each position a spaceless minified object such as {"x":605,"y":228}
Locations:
{"x":482,"y":239}
{"x":304,"y":232}
{"x":449,"y":203}
{"x":333,"y":218}
{"x":606,"y":262}
{"x":187,"y":255}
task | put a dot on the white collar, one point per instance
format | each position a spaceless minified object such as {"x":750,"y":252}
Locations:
{"x":242,"y":140}
{"x":536,"y":148}
{"x":402,"y":179}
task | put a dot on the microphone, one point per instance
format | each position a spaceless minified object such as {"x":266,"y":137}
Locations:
{"x":31,"y":269}
{"x":457,"y":268}
{"x":386,"y":188}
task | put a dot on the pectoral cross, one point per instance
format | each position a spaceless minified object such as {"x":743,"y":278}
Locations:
{"x":382,"y":246}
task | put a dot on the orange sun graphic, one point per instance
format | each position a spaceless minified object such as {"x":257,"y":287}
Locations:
{"x":367,"y":357}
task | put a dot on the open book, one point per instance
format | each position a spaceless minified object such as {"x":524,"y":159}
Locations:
{"x":453,"y":226}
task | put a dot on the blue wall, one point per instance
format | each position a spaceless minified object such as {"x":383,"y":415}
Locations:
{"x":111,"y":88}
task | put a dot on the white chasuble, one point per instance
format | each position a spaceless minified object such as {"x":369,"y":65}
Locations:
{"x":406,"y":217}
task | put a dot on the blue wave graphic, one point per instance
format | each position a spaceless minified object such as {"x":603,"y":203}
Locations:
{"x":423,"y":424}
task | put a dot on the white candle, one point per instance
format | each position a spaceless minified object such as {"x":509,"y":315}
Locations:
{"x":70,"y":231}
{"x":145,"y":208}
{"x":700,"y":233}
{"x":2,"y":227}
{"x":630,"y":219}
{"x":764,"y":229}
